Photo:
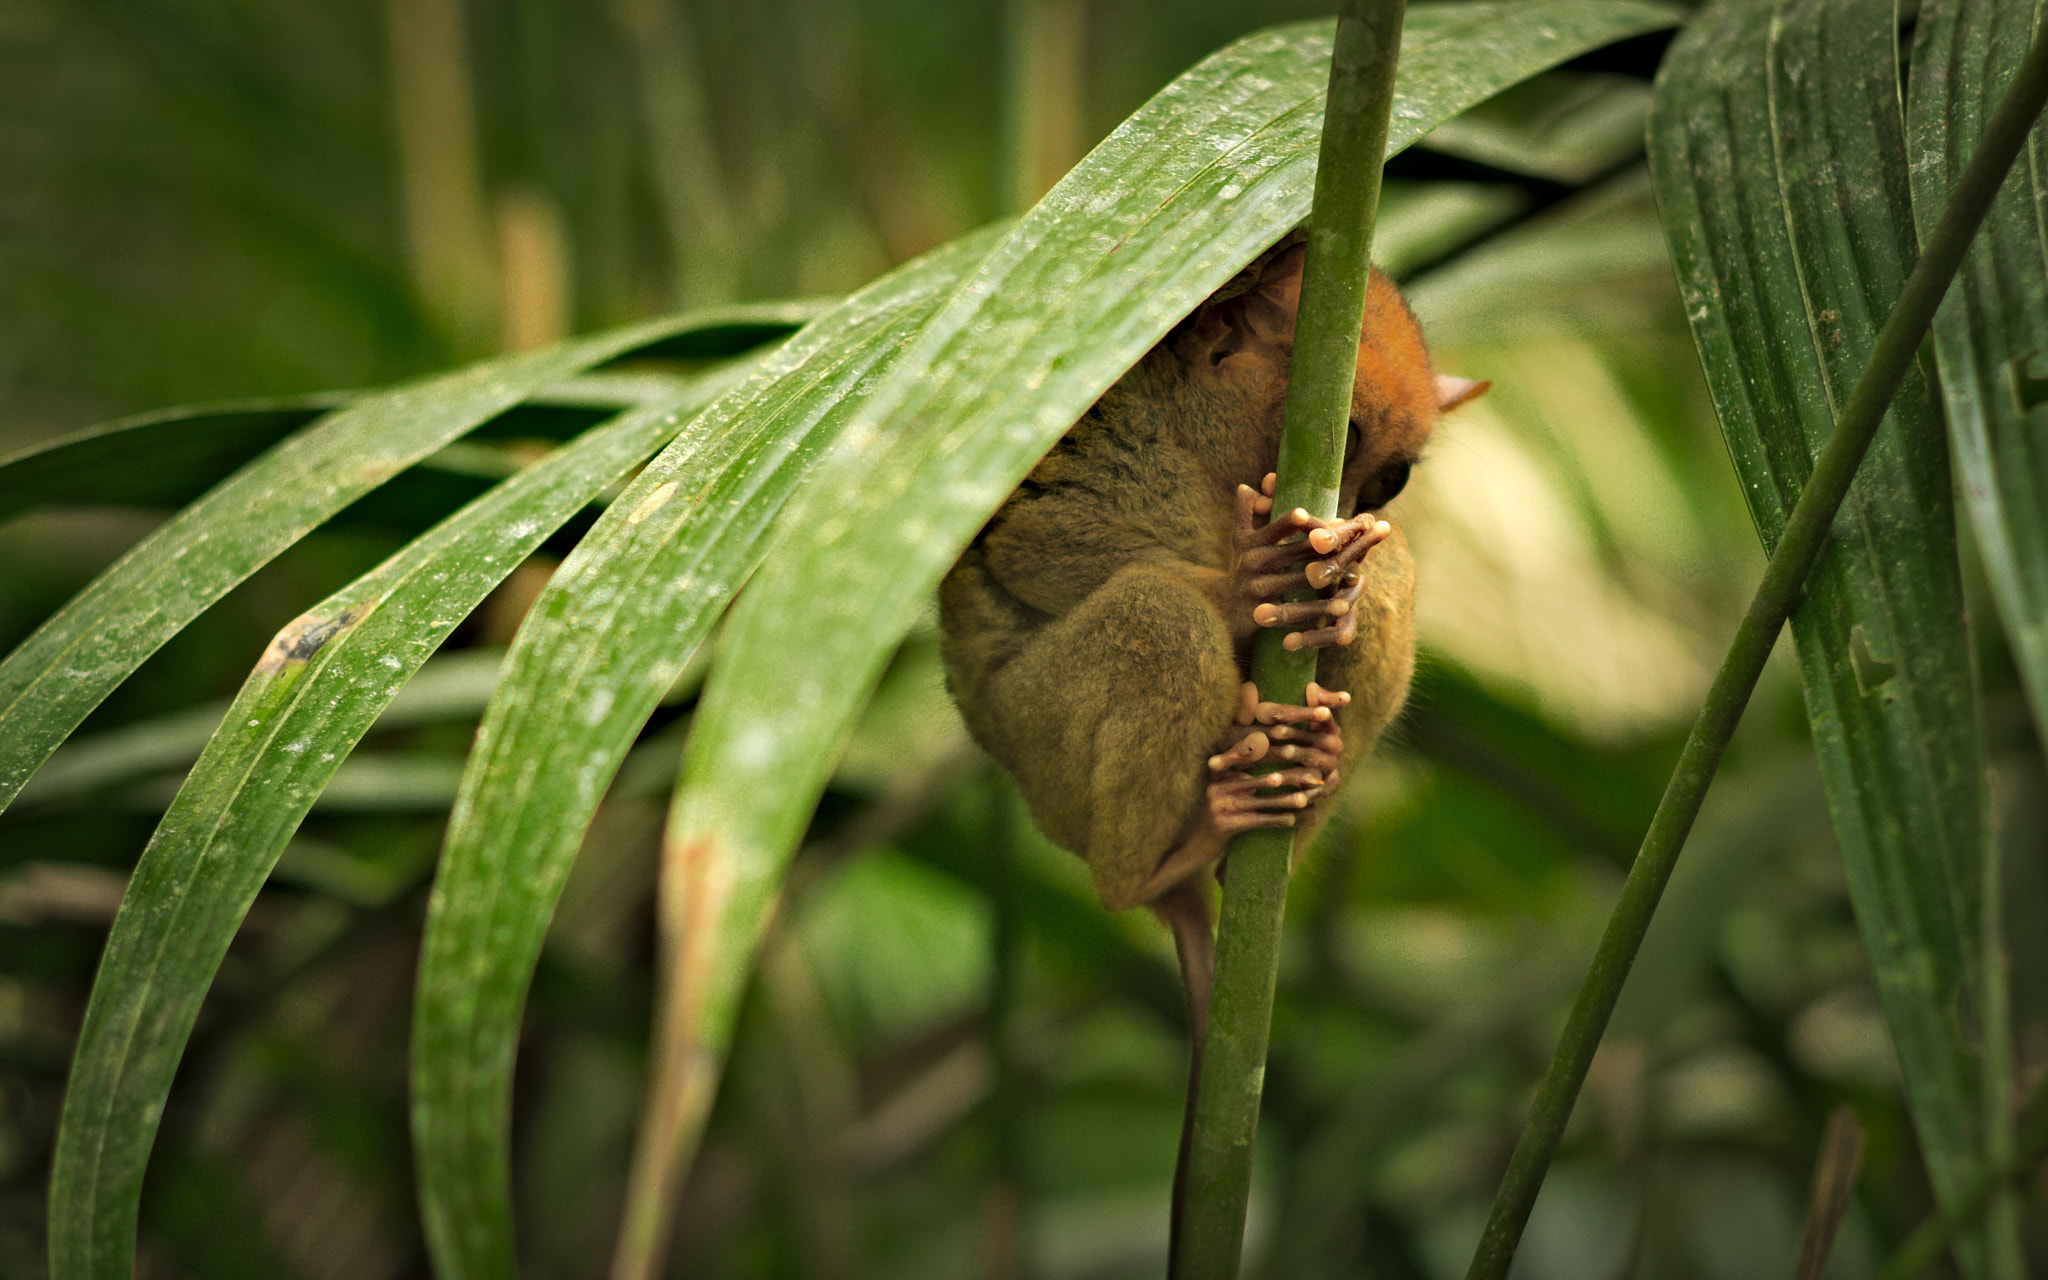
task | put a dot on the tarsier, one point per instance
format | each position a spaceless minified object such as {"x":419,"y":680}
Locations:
{"x":1098,"y":632}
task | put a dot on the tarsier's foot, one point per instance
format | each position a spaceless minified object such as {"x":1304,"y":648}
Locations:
{"x":1306,"y":738}
{"x":1326,"y":560}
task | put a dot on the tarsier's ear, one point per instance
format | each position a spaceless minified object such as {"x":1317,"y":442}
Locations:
{"x":1452,"y":392}
{"x":1252,"y":314}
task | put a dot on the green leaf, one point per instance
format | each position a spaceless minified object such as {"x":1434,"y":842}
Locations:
{"x":1593,"y":264}
{"x":1992,"y":331}
{"x":450,"y":686}
{"x":320,"y":686}
{"x":165,"y":458}
{"x":60,"y":673}
{"x":1422,"y":222}
{"x":604,"y":641}
{"x":1778,"y":149}
{"x":1567,"y":126}
{"x":1209,"y":173}
{"x":171,"y":456}
{"x":1987,"y":335}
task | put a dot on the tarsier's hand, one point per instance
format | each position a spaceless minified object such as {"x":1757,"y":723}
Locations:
{"x":1306,"y":738}
{"x":1326,"y":561}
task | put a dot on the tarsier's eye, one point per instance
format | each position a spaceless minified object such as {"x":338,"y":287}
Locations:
{"x":1353,"y":437}
{"x":1381,"y":486}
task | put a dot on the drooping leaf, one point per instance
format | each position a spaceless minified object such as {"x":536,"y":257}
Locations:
{"x":1778,"y":148}
{"x":319,"y":687}
{"x":606,"y":638}
{"x":62,"y":671}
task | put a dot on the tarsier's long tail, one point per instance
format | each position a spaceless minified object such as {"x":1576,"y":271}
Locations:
{"x":1184,"y":910}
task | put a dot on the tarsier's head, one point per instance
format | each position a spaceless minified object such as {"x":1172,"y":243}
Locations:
{"x":1244,"y":335}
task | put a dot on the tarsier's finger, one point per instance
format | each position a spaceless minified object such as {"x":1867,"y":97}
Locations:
{"x":1272,"y":570}
{"x":1250,"y":748}
{"x":1290,"y":613}
{"x":1343,"y":632}
{"x":1248,"y":702}
{"x":1299,"y":744}
{"x":1286,"y":713}
{"x":1226,"y":800}
{"x":1272,"y":584}
{"x":1329,"y":535}
{"x":1344,"y":606}
{"x":1315,"y":755}
{"x":1232,"y":821}
{"x":1321,"y":697}
{"x":1251,"y":504}
{"x":1282,"y":526}
{"x":1239,"y":783}
{"x":1349,"y":551}
{"x":1321,"y":737}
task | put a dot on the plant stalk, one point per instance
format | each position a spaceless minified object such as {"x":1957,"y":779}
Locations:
{"x":1797,"y":551}
{"x":1209,"y":1232}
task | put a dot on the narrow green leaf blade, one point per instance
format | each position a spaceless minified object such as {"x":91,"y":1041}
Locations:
{"x":1213,"y":170}
{"x":164,"y":458}
{"x":453,"y":686}
{"x":319,"y":687}
{"x":1987,"y":335}
{"x":1778,"y":151}
{"x":1993,"y":327}
{"x":60,"y":673}
{"x":601,"y":644}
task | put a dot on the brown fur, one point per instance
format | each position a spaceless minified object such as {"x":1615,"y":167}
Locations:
{"x":1095,"y":638}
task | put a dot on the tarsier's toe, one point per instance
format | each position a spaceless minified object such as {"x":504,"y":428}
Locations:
{"x":1343,"y":633}
{"x":1285,"y":802}
{"x":1291,"y":613}
{"x":1249,"y":784}
{"x":1234,"y":822}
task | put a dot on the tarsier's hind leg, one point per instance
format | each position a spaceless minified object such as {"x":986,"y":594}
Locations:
{"x":1110,"y":713}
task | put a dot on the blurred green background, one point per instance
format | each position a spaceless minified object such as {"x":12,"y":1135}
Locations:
{"x":226,"y":198}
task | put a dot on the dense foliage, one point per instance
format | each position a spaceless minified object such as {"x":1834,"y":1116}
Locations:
{"x":939,"y":1055}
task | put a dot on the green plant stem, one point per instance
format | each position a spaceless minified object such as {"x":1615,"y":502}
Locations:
{"x":1797,"y":550}
{"x":1210,"y":1231}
